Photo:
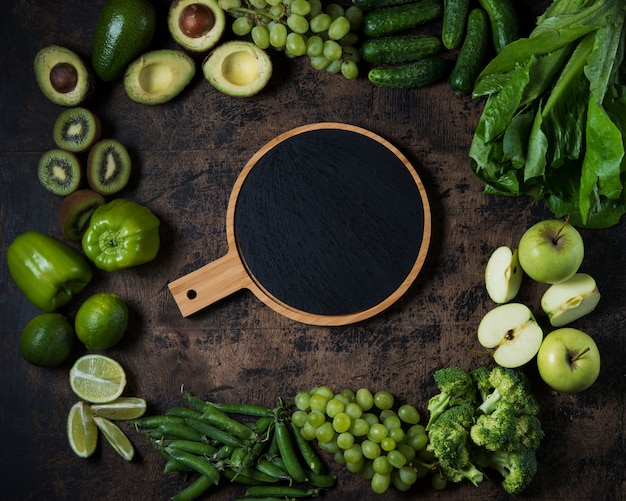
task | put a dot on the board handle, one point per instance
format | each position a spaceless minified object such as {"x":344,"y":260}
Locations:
{"x":209,"y":284}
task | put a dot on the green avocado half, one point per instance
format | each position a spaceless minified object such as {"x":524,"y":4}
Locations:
{"x":158,"y":76}
{"x":62,"y":76}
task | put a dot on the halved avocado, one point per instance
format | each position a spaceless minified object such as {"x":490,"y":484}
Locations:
{"x":62,"y":75}
{"x":196,"y":25}
{"x":238,"y":68}
{"x":158,"y":76}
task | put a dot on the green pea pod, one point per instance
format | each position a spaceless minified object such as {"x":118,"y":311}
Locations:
{"x":121,"y":234}
{"x":47,"y":271}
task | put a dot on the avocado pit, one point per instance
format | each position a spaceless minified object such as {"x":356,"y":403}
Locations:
{"x":196,"y":20}
{"x":63,"y":77}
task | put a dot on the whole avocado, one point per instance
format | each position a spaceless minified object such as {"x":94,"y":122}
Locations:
{"x":123,"y":31}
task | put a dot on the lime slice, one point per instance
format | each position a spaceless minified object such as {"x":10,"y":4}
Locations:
{"x":122,"y":408}
{"x":116,"y":437}
{"x":82,"y":431}
{"x":97,"y":379}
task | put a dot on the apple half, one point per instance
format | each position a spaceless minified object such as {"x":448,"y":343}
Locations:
{"x":512,"y":333}
{"x":567,"y":301}
{"x":503,"y":275}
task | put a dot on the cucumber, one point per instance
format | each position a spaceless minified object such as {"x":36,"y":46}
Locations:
{"x":399,"y":48}
{"x":504,"y":22}
{"x":455,"y":14}
{"x":378,"y":4}
{"x":390,"y":20}
{"x":471,"y":59}
{"x":406,"y":76}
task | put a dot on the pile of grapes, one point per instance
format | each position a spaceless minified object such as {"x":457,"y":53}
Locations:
{"x":367,"y":433}
{"x":326,"y":34}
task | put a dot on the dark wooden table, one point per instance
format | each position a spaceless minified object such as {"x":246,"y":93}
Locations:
{"x":186,"y":155}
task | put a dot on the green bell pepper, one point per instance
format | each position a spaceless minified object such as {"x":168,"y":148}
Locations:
{"x":47,"y":270}
{"x":121,"y":234}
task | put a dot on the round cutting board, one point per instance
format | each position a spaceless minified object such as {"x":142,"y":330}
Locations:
{"x":327,"y":224}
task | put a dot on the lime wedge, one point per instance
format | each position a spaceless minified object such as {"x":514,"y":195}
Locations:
{"x":123,"y":408}
{"x":82,"y":431}
{"x":97,"y":379}
{"x":116,"y":437}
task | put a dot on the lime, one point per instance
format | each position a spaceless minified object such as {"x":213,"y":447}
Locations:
{"x":82,"y":431}
{"x":116,"y":437}
{"x":101,"y":321}
{"x":47,"y":340}
{"x":97,"y":379}
{"x":123,"y":408}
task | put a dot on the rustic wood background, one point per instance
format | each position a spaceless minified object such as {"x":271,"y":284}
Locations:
{"x":186,"y":156}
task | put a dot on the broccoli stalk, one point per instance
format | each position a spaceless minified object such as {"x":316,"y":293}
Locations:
{"x":456,"y":387}
{"x":517,"y":468}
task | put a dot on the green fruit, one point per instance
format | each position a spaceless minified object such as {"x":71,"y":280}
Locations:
{"x":62,"y":76}
{"x":108,"y":167}
{"x":101,"y":321}
{"x":158,"y":76}
{"x":76,"y":129}
{"x":76,"y":210}
{"x":238,"y":68}
{"x":47,"y":340}
{"x":59,"y":171}
{"x":196,"y":25}
{"x":123,"y":31}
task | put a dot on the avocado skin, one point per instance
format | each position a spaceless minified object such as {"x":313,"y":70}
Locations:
{"x":123,"y":31}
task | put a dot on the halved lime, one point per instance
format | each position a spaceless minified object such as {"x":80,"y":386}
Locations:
{"x":97,"y":378}
{"x":122,"y":408}
{"x":116,"y":437}
{"x":82,"y":431}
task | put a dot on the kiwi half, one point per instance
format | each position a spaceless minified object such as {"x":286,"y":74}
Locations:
{"x":59,"y":172}
{"x":76,"y":210}
{"x":76,"y":129}
{"x":108,"y":167}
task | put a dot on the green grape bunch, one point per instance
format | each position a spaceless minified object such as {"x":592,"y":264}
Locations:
{"x":327,"y":34}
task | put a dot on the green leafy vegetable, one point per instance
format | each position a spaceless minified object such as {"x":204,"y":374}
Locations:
{"x":554,"y":122}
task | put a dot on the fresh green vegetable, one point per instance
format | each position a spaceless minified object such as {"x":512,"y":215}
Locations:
{"x":517,"y":467}
{"x":47,"y":271}
{"x":504,"y":22}
{"x":420,"y":73}
{"x":399,"y":48}
{"x":552,"y":126}
{"x":455,"y":14}
{"x":378,"y":4}
{"x":471,"y":58}
{"x":390,"y":20}
{"x":456,"y":387}
{"x":509,"y":387}
{"x":121,"y":234}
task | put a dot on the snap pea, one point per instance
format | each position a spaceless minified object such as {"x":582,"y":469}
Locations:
{"x":271,"y":469}
{"x":155,"y":421}
{"x":170,"y":430}
{"x":280,"y":491}
{"x":244,"y":409}
{"x":194,"y":490}
{"x":183,"y":412}
{"x":197,"y":403}
{"x":197,"y":463}
{"x":214,"y":433}
{"x":324,"y":481}
{"x":308,"y":453}
{"x":228,"y":424}
{"x":192,"y":446}
{"x":241,"y":477}
{"x":288,"y":453}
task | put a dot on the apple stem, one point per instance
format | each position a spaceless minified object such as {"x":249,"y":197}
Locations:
{"x":580,"y":354}
{"x":558,"y":233}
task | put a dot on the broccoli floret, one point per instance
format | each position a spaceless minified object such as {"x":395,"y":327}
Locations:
{"x":510,"y":387}
{"x":496,"y":431}
{"x":528,"y":431}
{"x":449,"y":440}
{"x":517,"y":468}
{"x":456,"y":387}
{"x":480,"y":376}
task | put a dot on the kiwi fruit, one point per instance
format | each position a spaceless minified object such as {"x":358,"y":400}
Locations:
{"x":108,"y":167}
{"x":59,"y":171}
{"x":76,"y":210}
{"x":76,"y":130}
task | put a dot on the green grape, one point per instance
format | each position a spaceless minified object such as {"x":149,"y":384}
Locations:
{"x":387,"y":444}
{"x":359,"y":427}
{"x":396,"y":459}
{"x":295,"y":44}
{"x":391,"y":420}
{"x":242,"y":26}
{"x":384,"y":414}
{"x":409,"y":414}
{"x":331,"y":446}
{"x":272,"y":3}
{"x":258,"y":4}
{"x":345,"y":440}
{"x":316,"y":8}
{"x":334,"y":407}
{"x":350,"y":39}
{"x":277,"y":11}
{"x":325,"y":432}
{"x":299,"y":418}
{"x":332,"y":50}
{"x":278,"y":39}
{"x":349,"y":394}
{"x":356,"y":466}
{"x":341,"y":422}
{"x":300,"y":7}
{"x":314,"y":46}
{"x":316,"y":418}
{"x":308,"y":431}
{"x":298,"y":24}
{"x":371,"y":450}
{"x":439,"y":482}
{"x":342,"y":398}
{"x":261,"y":38}
{"x":377,"y":433}
{"x":365,"y":399}
{"x":383,"y":400}
{"x":339,"y":28}
{"x":418,"y":441}
{"x":229,"y":4}
{"x":370,"y":417}
{"x":351,"y":53}
{"x":325,"y":391}
{"x":338,"y":457}
{"x":334,"y":10}
{"x":319,"y":62}
{"x":353,"y":410}
{"x":355,"y":16}
{"x":380,"y":483}
{"x":317,"y":401}
{"x":398,"y":483}
{"x":382,"y":465}
{"x":320,"y":23}
{"x":367,"y":472}
{"x":397,"y":434}
{"x":353,"y":454}
{"x":407,"y":451}
{"x":287,"y":2}
{"x":421,"y":471}
{"x":349,"y":69}
{"x":408,"y":475}
{"x":416,"y":429}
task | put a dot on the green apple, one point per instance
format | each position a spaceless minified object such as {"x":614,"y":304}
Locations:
{"x":503,"y":275}
{"x":551,"y":251}
{"x":568,"y":360}
{"x":512,"y":334}
{"x":568,"y":301}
